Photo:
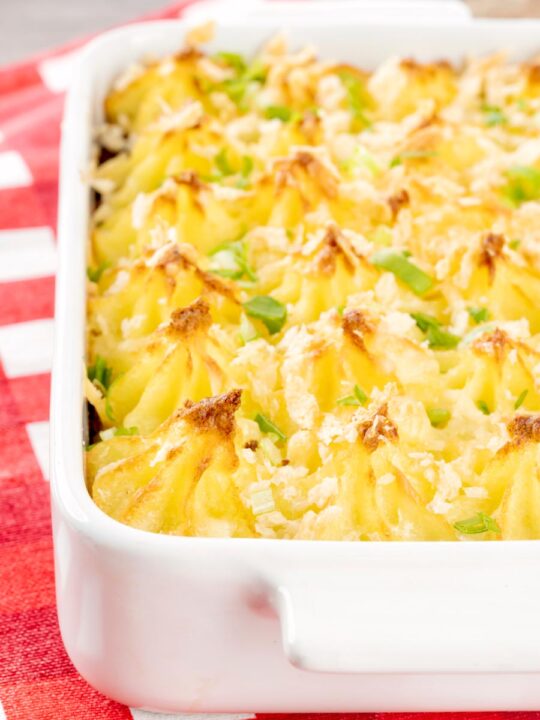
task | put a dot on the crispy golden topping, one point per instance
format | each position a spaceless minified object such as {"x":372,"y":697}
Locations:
{"x":376,"y":429}
{"x":491,"y":249}
{"x":215,"y":413}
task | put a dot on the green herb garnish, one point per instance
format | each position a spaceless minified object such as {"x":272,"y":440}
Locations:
{"x":478,"y":314}
{"x":108,"y":410}
{"x":100,"y":372}
{"x":267,"y":426}
{"x":436,"y":336}
{"x":438,"y":416}
{"x":359,"y":397}
{"x":409,"y":273}
{"x":493,"y":115}
{"x":412,"y":155}
{"x":483,"y":407}
{"x":514,"y":244}
{"x":270,"y":311}
{"x":230,"y":260}
{"x":279,"y":112}
{"x":521,"y":399}
{"x":126,"y":431}
{"x":236,"y":88}
{"x":523,"y":184}
{"x":480,"y":523}
{"x":222,"y":163}
{"x":94,"y":274}
{"x":358,"y":98}
{"x":234,"y":60}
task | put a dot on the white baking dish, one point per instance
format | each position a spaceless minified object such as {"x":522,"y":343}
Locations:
{"x":189,"y":624}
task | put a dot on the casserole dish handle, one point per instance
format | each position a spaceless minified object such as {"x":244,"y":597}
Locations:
{"x":410,"y":619}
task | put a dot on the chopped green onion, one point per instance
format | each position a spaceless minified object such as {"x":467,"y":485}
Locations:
{"x":361,"y":158}
{"x":514,"y":244}
{"x":493,"y":115}
{"x":359,"y":397}
{"x":483,"y":407}
{"x":108,"y":410}
{"x":478,"y":314}
{"x":409,"y":273}
{"x":237,"y":87}
{"x":480,"y":523}
{"x":100,"y":372}
{"x":438,"y":416}
{"x":270,"y":311}
{"x":278,"y":112}
{"x":523,"y":184}
{"x":245,"y":171}
{"x":222,"y":163}
{"x":94,"y":274}
{"x":119,"y":431}
{"x":232,"y":59}
{"x":521,"y":399}
{"x":358,"y":97}
{"x":230,"y":260}
{"x":262,"y":501}
{"x":127,"y":430}
{"x":248,"y":331}
{"x":340,"y":309}
{"x":436,"y":336}
{"x":412,"y":155}
{"x":267,"y":426}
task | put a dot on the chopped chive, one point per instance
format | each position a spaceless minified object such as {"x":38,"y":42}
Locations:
{"x":278,"y":112}
{"x":126,"y":431}
{"x":267,"y":426}
{"x":480,"y":523}
{"x":483,"y":407}
{"x":222,"y":163}
{"x":409,"y":273}
{"x":358,"y":398}
{"x":521,"y":399}
{"x":248,"y":331}
{"x":340,"y":309}
{"x":230,"y":260}
{"x":493,"y":115}
{"x":514,"y":244}
{"x":478,"y":314}
{"x":108,"y":410}
{"x":100,"y":372}
{"x":270,"y":311}
{"x":234,"y":60}
{"x":438,"y":416}
{"x":361,"y":158}
{"x":523,"y":184}
{"x":358,"y":98}
{"x":94,"y":274}
{"x":436,"y":336}
{"x":412,"y":155}
{"x":245,"y":171}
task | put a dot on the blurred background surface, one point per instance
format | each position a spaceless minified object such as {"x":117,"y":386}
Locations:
{"x":30,"y":26}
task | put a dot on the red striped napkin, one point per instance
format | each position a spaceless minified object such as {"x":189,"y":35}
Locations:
{"x":37,"y":680}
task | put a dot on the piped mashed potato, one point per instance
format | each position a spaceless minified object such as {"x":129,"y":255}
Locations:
{"x":314,"y":298}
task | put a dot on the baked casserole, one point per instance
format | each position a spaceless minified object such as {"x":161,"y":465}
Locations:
{"x":313,"y":304}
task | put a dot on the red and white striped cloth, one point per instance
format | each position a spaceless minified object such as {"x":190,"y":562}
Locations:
{"x":37,"y":680}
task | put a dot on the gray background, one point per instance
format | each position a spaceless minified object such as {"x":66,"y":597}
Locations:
{"x":30,"y":26}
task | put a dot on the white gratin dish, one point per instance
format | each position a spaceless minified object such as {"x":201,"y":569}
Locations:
{"x":193,"y":624}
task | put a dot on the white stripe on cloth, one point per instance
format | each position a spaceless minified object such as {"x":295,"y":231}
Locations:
{"x":57,"y":72}
{"x":14,"y":172}
{"x":26,"y":348}
{"x":144,"y":715}
{"x":27,"y":253}
{"x":38,"y":432}
{"x":2,"y":713}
